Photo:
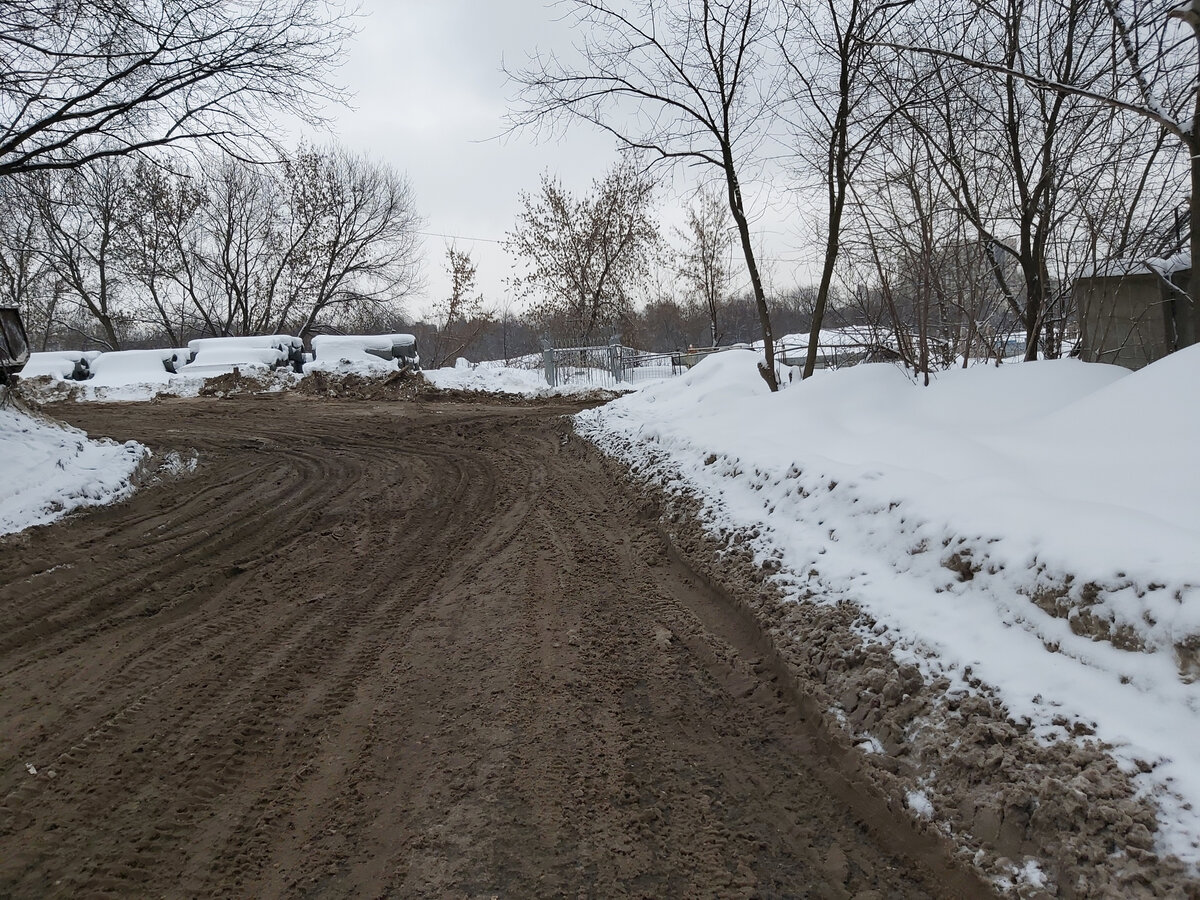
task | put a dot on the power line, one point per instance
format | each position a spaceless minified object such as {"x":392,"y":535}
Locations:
{"x":459,"y":237}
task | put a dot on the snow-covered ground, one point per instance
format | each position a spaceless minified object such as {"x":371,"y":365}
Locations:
{"x":140,"y":376}
{"x":52,"y":469}
{"x":946,"y":511}
{"x":493,"y":378}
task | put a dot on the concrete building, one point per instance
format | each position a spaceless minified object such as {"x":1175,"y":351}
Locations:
{"x":1134,"y":316}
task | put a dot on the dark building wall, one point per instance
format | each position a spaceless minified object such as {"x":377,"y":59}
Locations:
{"x":1123,"y":319}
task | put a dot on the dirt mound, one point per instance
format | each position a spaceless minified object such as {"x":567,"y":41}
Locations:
{"x":409,"y":385}
{"x":239,"y":382}
{"x":497,"y":398}
{"x":43,"y":389}
{"x":401,"y":385}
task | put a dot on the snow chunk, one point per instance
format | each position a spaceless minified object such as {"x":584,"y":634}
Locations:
{"x":919,"y":804}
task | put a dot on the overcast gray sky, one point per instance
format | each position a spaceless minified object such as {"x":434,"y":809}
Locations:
{"x":430,"y":98}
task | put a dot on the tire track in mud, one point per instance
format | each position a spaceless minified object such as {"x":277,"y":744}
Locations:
{"x":398,"y":649}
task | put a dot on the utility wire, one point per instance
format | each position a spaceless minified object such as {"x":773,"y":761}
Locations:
{"x":458,"y":237}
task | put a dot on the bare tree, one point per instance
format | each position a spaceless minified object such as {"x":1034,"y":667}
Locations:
{"x":359,"y":243}
{"x":83,"y":80}
{"x":26,"y":280}
{"x":704,"y":263}
{"x":690,"y":80}
{"x":459,"y":319}
{"x":586,"y":256}
{"x":829,"y":50}
{"x":82,"y":212}
{"x":157,"y":244}
{"x":1143,"y":64}
{"x":236,"y":254}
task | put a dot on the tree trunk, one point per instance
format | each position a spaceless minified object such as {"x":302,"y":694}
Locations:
{"x":1033,"y":313}
{"x":110,"y":333}
{"x":831,"y":252}
{"x":760,"y":299}
{"x":1187,"y":334}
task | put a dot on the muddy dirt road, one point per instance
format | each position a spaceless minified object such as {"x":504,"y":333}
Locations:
{"x":401,"y":649}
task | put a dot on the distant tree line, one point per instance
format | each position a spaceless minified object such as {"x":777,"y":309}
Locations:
{"x":144,"y":196}
{"x":140,"y":250}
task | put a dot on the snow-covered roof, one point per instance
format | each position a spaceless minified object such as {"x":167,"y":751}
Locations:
{"x":1126,"y":268}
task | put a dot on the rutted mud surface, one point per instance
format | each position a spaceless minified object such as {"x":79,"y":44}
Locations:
{"x":403,"y":649}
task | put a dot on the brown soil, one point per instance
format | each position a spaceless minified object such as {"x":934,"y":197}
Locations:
{"x":400,"y":385}
{"x":406,"y":649}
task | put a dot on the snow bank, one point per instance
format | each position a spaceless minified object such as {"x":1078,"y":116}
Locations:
{"x":995,"y":516}
{"x":52,"y":469}
{"x":505,"y":380}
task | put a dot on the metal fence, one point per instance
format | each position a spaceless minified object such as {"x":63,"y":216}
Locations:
{"x":610,"y":365}
{"x":613,"y":364}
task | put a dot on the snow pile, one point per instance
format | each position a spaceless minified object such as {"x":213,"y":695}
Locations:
{"x":52,"y":469}
{"x":220,"y":356}
{"x":507,"y":380}
{"x":282,"y":342}
{"x":140,"y":375}
{"x":223,"y":360}
{"x":125,"y":376}
{"x":1035,"y":526}
{"x":121,"y":376}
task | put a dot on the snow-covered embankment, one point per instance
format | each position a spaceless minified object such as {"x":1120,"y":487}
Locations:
{"x":1029,"y":532}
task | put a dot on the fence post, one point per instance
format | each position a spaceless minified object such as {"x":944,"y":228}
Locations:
{"x":614,"y":357}
{"x":548,"y":360}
